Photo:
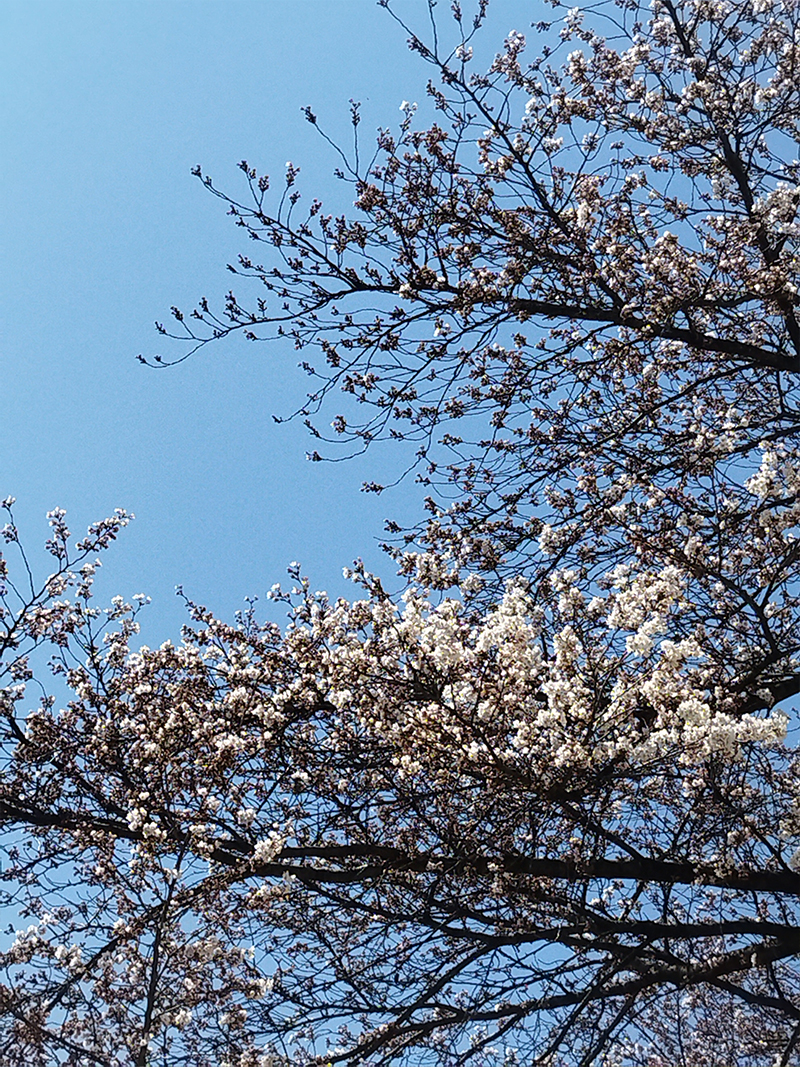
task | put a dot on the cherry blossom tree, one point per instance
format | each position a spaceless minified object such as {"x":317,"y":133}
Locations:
{"x":544,"y":807}
{"x":401,"y":831}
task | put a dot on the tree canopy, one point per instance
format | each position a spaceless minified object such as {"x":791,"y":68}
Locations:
{"x":541,"y":809}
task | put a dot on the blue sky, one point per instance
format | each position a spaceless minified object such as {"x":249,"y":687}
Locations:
{"x":107,"y":106}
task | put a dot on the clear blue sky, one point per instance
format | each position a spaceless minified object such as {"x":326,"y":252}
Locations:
{"x":107,"y":105}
